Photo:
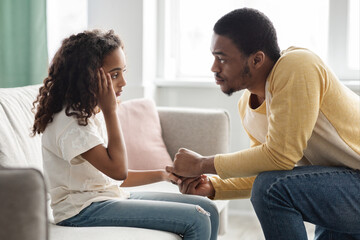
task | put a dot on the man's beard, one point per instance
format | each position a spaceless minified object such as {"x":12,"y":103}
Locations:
{"x":229,"y":92}
{"x":244,"y":73}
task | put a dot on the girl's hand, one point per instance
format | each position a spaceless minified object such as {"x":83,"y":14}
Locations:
{"x":106,"y":94}
{"x":169,"y":177}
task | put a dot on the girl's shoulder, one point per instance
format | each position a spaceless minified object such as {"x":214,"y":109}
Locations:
{"x":66,"y":138}
{"x":61,"y":120}
{"x":63,"y":123}
{"x":66,"y":128}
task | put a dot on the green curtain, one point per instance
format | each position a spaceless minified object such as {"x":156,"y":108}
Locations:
{"x":23,"y":42}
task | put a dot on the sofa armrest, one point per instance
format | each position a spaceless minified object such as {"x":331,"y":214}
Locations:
{"x":205,"y":131}
{"x":22,"y":205}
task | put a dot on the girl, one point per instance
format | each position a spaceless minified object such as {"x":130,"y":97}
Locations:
{"x":84,"y":150}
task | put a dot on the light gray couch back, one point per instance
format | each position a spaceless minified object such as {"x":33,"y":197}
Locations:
{"x":191,"y":128}
{"x":17,"y":147}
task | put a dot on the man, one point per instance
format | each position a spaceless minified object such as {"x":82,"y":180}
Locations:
{"x":295,"y":112}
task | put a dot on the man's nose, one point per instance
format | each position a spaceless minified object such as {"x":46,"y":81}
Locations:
{"x":215,"y":67}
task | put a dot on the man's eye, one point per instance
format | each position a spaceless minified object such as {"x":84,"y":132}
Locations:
{"x":221,"y":60}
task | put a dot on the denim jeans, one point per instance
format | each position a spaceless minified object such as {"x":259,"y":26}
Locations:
{"x":328,"y":197}
{"x":175,"y":213}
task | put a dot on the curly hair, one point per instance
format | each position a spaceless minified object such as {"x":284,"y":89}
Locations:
{"x":72,"y":81}
{"x":250,"y":30}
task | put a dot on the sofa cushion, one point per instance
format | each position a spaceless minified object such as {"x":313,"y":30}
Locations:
{"x":17,"y":147}
{"x":142,"y":132}
{"x":108,"y":233}
{"x":205,"y":131}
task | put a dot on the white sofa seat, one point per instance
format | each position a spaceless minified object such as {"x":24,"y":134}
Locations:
{"x":108,"y":233}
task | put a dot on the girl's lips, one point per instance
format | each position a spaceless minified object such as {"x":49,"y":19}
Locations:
{"x":118,"y":94}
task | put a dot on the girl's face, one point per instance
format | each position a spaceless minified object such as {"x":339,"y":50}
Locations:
{"x":115,"y":65}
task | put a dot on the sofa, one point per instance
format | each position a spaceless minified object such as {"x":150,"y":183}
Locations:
{"x":24,"y":203}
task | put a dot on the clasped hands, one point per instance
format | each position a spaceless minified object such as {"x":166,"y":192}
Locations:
{"x":189,"y":167}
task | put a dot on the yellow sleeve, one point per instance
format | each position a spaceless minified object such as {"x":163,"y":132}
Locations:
{"x":232,"y":188}
{"x":296,"y":85}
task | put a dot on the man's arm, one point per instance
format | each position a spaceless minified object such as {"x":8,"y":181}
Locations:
{"x":295,"y":93}
{"x":216,"y":188}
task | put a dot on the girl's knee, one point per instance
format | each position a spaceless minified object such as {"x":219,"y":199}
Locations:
{"x":201,"y":223}
{"x":208,"y":205}
{"x":213,"y":214}
{"x":211,"y":207}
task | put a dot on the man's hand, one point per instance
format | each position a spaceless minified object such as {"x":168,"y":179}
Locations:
{"x":191,"y":164}
{"x":197,"y":186}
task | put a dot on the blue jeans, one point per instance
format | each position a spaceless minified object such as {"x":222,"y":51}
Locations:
{"x":328,"y":197}
{"x":169,"y":212}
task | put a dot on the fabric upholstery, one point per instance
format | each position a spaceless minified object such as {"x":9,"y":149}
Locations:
{"x":17,"y":148}
{"x":109,"y":233}
{"x":22,"y":205}
{"x":142,"y":132}
{"x":211,"y":126}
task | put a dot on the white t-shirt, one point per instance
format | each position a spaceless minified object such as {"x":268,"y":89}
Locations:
{"x":73,"y":182}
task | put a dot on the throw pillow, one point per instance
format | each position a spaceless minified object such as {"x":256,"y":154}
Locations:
{"x":140,"y":123}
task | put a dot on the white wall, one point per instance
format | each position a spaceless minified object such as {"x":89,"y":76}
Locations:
{"x":126,"y":19}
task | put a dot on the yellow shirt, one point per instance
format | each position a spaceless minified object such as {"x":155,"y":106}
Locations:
{"x":308,"y":118}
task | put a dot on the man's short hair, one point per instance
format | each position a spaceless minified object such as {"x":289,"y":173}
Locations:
{"x":250,"y":30}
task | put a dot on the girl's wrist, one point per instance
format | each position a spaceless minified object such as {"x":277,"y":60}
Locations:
{"x":163,"y":175}
{"x":109,"y":113}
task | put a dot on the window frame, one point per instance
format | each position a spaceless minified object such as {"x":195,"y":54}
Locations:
{"x":167,"y":46}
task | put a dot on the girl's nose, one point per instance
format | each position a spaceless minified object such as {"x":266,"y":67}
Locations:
{"x":121,"y":81}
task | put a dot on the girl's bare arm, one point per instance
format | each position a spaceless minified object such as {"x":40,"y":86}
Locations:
{"x":112,"y":160}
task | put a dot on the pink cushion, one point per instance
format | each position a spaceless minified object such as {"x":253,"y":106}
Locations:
{"x":142,"y":132}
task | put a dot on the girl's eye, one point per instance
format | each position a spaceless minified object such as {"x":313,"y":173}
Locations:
{"x":115,"y":76}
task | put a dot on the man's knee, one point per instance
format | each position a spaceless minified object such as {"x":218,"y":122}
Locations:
{"x":261,"y":186}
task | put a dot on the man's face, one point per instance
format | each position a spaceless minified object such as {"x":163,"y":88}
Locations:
{"x":230,"y":67}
